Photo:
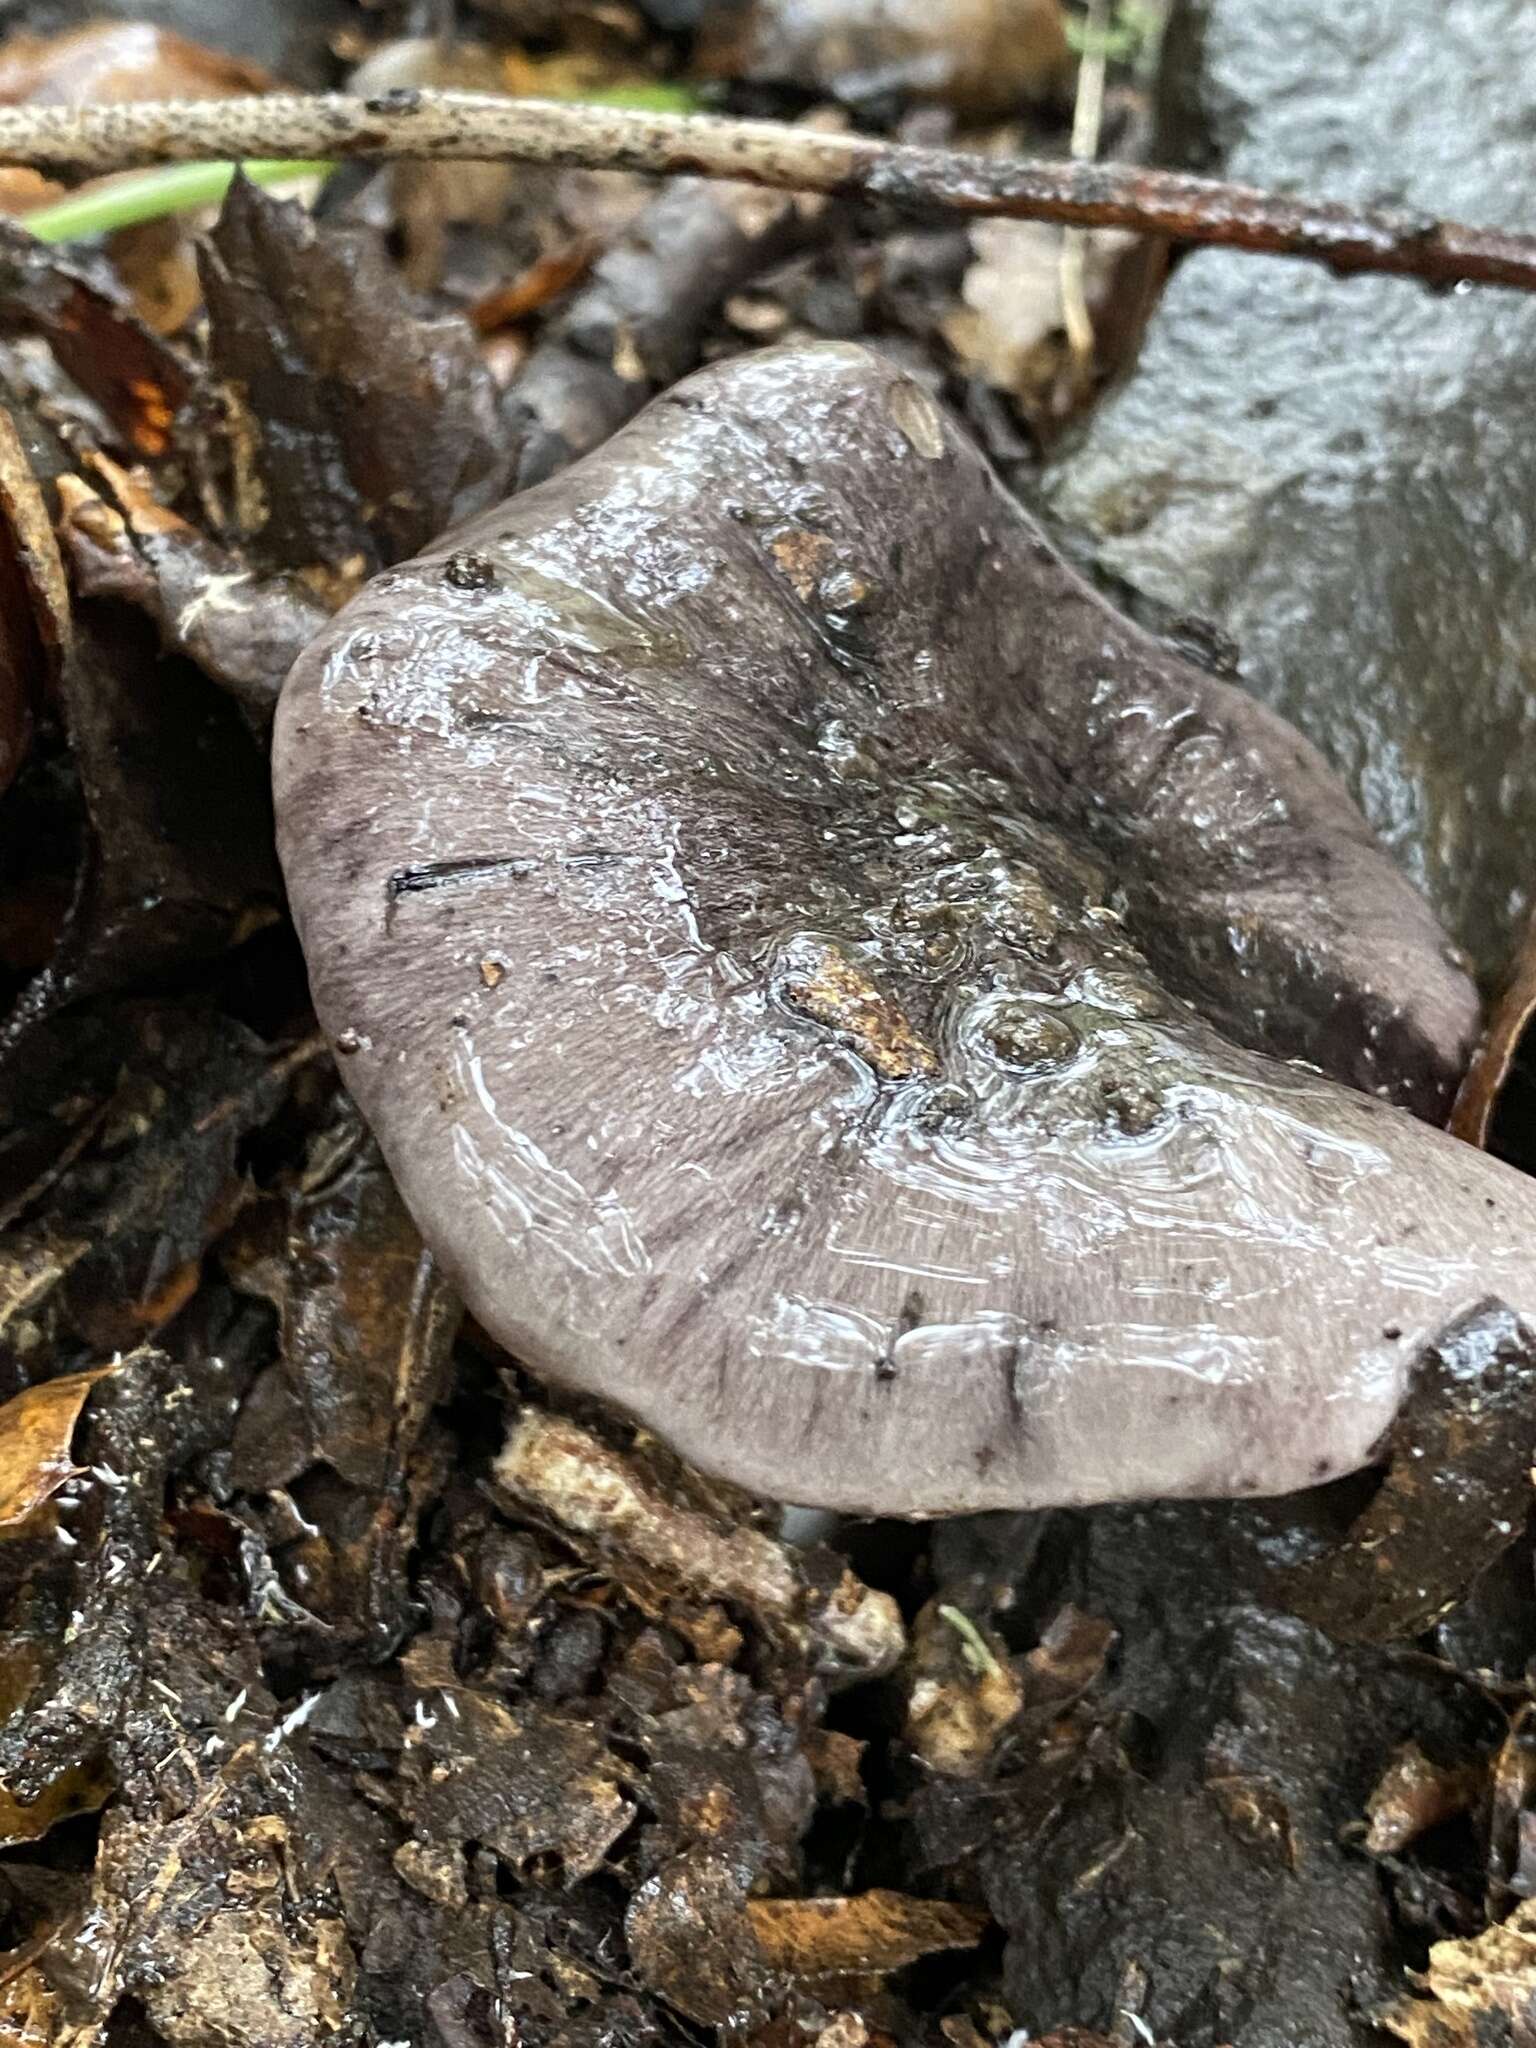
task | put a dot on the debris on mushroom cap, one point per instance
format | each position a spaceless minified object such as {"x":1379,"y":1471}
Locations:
{"x":892,"y":1093}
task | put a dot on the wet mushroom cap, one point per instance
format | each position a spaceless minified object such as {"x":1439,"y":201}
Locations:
{"x":828,"y":985}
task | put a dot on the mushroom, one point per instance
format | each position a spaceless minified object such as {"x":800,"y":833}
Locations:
{"x":829,"y":986}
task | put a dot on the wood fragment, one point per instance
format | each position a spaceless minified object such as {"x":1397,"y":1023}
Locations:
{"x":869,"y":1934}
{"x":482,"y":127}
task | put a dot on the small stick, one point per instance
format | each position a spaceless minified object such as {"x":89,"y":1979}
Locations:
{"x":1087,"y":125}
{"x":440,"y":125}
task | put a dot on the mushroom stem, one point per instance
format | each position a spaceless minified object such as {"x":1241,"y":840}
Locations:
{"x":453,"y":125}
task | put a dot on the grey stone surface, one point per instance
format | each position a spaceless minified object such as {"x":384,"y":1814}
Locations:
{"x":1341,"y":473}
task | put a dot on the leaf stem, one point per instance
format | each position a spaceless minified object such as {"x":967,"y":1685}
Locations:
{"x":149,"y":195}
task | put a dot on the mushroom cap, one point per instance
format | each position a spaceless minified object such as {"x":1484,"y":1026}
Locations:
{"x":827,"y":984}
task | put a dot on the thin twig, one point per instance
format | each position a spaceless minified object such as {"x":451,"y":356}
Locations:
{"x":1087,"y":124}
{"x":475,"y":126}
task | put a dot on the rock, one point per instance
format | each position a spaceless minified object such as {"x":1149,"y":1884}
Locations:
{"x":1339,"y":473}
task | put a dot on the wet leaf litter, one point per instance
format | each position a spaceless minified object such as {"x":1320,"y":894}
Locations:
{"x":369,"y":1675}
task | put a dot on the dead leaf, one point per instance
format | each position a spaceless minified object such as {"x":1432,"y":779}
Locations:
{"x":689,"y":1940}
{"x":524,"y":1781}
{"x":1496,"y":1106}
{"x":1008,"y":327}
{"x":341,"y":450}
{"x":35,"y":1432}
{"x":34,"y":601}
{"x":30,"y":2014}
{"x":81,"y":1787}
{"x":243,"y":630}
{"x":1480,"y":1993}
{"x":1413,"y":1795}
{"x":114,"y":61}
{"x":533,"y":288}
{"x":138,"y":380}
{"x":178,"y":862}
{"x":366,"y":1325}
{"x":962,"y":1692}
{"x":1456,"y":1493}
{"x":870,"y":1934}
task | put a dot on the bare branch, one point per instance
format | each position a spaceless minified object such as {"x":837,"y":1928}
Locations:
{"x":930,"y":181}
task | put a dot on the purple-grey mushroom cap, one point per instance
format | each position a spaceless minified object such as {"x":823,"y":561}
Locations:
{"x":829,"y":986}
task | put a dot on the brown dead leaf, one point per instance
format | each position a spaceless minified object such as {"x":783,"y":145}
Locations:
{"x":80,"y":1787}
{"x":243,"y":630}
{"x":1456,"y":1494}
{"x":35,"y":1432}
{"x":1494,"y":1108}
{"x":113,"y":61}
{"x":341,"y":450}
{"x":962,"y":1692}
{"x":870,"y":1934}
{"x":1008,"y":328}
{"x":1413,"y":1795}
{"x":34,"y":601}
{"x":110,"y":62}
{"x":138,"y":380}
{"x":30,"y":2014}
{"x":533,"y":288}
{"x":527,"y":1783}
{"x":1480,"y":1993}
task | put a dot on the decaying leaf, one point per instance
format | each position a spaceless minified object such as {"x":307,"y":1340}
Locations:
{"x":868,"y":1935}
{"x":1496,"y":1106}
{"x":637,"y":323}
{"x":1479,"y":1993}
{"x":179,"y":858}
{"x":366,"y":1325}
{"x":139,"y":381}
{"x":34,"y":602}
{"x":29,"y":2012}
{"x":342,"y":452}
{"x":80,"y":1787}
{"x":1413,"y":1795}
{"x":1456,"y":1493}
{"x":963,"y":1691}
{"x":537,"y":1788}
{"x":35,"y":1432}
{"x":156,"y":1179}
{"x":555,"y":1469}
{"x":243,"y":630}
{"x":1008,"y":328}
{"x":207,"y":1902}
{"x":110,"y":61}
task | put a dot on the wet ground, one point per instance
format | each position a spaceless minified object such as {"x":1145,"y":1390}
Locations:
{"x":356,"y":1687}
